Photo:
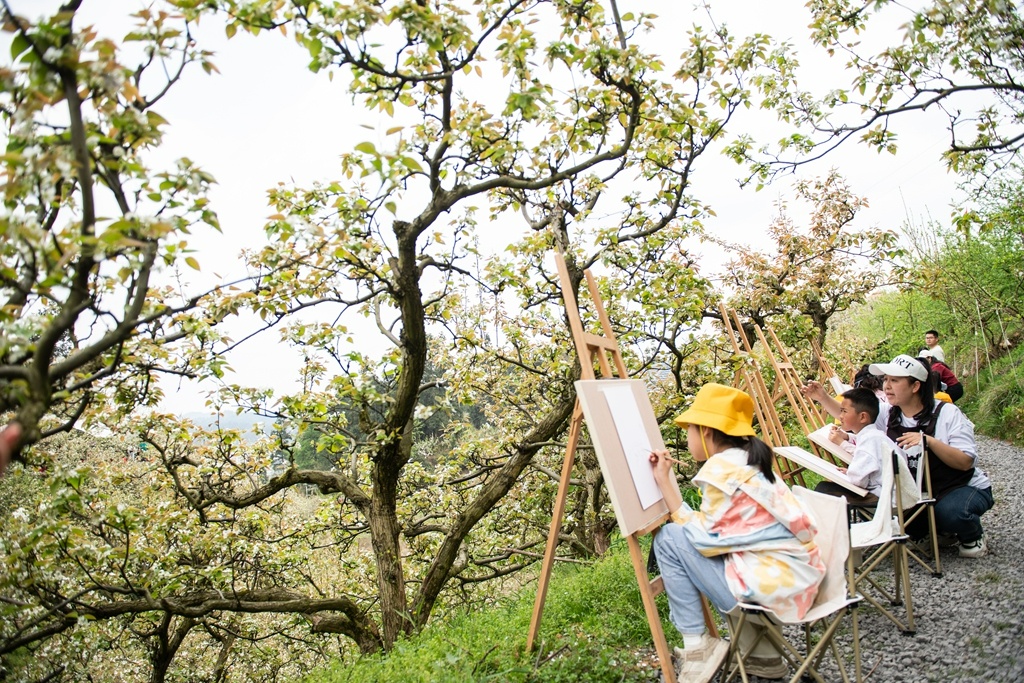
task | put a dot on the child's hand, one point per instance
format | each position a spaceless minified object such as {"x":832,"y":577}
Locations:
{"x":662,"y":465}
{"x":842,"y":469}
{"x":837,"y":435}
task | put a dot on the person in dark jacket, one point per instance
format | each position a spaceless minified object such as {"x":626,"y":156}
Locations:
{"x":950,"y":384}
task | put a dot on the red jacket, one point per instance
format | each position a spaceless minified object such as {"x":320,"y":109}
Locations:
{"x":946,"y":375}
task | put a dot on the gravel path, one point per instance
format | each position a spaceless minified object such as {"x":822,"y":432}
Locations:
{"x":970,"y":621}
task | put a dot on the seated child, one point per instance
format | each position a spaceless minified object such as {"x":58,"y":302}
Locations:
{"x":857,"y":417}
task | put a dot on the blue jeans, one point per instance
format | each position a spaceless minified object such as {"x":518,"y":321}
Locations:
{"x":687,"y":574}
{"x":958,"y":514}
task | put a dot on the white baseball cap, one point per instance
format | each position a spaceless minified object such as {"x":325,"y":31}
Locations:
{"x":901,"y":366}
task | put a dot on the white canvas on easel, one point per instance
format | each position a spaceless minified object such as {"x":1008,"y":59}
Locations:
{"x":624,"y":431}
{"x":838,"y":386}
{"x":633,"y":438}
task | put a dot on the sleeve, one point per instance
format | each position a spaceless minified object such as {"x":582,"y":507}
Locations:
{"x":956,"y":430}
{"x":683,"y":515}
{"x":866,"y":464}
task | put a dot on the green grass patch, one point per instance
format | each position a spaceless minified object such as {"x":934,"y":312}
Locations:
{"x":995,"y":399}
{"x":593,"y":629}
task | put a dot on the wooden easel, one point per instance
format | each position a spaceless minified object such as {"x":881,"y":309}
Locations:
{"x":826,"y":368}
{"x":789,"y":383}
{"x":749,"y":378}
{"x":605,"y":350}
{"x":787,"y":387}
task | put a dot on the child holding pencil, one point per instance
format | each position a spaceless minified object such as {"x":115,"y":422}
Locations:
{"x":750,"y":540}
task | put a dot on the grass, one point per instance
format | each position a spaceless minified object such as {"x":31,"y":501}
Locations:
{"x":995,"y":399}
{"x":593,"y":629}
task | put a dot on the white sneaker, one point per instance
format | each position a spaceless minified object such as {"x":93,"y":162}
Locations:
{"x":975,"y":548}
{"x":701,"y":663}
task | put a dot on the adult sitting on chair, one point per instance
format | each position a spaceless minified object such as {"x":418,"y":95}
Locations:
{"x":917,"y":423}
{"x":751,"y":540}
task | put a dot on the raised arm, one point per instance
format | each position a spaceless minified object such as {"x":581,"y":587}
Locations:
{"x":662,"y":464}
{"x":814,"y":391}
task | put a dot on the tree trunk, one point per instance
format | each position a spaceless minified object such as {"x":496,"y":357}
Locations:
{"x":395,"y":451}
{"x":384,"y":531}
{"x":165,"y":645}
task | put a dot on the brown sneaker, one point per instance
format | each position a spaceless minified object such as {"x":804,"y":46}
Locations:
{"x":700,"y":664}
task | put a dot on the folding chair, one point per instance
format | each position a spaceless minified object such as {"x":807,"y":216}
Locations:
{"x":925,"y":506}
{"x":836,"y":597}
{"x":886,"y":534}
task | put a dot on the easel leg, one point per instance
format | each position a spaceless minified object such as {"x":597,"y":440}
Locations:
{"x":709,"y":621}
{"x":575,"y":426}
{"x":651,"y":608}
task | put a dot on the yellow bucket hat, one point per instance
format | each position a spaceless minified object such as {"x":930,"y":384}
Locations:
{"x":728,"y":410}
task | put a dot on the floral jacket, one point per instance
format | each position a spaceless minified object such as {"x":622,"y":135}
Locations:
{"x":766,"y":535}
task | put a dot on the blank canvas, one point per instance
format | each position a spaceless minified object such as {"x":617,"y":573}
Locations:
{"x":624,"y":431}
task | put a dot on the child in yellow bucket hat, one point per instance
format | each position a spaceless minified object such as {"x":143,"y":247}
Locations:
{"x":751,"y":540}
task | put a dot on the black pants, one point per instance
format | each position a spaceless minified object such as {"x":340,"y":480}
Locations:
{"x":955,"y":391}
{"x":852,"y":499}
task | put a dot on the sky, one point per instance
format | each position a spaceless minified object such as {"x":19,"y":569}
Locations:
{"x":265,"y":118}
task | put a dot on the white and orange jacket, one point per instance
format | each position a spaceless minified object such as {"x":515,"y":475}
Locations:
{"x":761,"y":528}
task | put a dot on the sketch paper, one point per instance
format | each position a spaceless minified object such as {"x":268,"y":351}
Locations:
{"x":623,"y":443}
{"x":633,"y":437}
{"x":822,"y":467}
{"x":838,"y":386}
{"x":820,"y":437}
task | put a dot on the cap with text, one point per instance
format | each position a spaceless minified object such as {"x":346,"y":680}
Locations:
{"x":901,"y":366}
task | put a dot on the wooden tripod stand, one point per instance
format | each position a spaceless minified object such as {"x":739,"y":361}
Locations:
{"x":605,"y":351}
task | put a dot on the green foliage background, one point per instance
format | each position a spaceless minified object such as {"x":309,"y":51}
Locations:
{"x":405,"y":492}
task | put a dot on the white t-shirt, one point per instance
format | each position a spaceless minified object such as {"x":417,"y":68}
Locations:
{"x":865,"y":468}
{"x":952,"y":428}
{"x":937,"y":353}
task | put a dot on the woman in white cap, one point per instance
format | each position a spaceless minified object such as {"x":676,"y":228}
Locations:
{"x":918,"y":423}
{"x":750,"y":540}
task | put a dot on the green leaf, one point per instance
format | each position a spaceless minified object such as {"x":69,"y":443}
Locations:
{"x":411,"y":164}
{"x":20,"y":46}
{"x":366,"y":148}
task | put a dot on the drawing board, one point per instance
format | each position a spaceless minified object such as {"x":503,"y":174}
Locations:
{"x":820,"y":438}
{"x":624,"y":431}
{"x":822,"y":467}
{"x":838,"y":386}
